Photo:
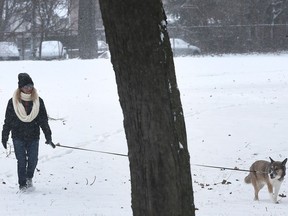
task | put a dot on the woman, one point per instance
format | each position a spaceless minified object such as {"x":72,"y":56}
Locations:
{"x":25,"y":114}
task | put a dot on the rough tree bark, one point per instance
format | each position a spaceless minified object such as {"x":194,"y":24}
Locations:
{"x":87,"y":29}
{"x":153,"y":118}
{"x":1,"y":19}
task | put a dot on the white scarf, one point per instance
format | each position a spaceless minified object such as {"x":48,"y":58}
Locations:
{"x":20,"y":110}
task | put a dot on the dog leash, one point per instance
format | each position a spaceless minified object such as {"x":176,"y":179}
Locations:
{"x":90,"y":150}
{"x":123,"y":155}
{"x":225,"y":168}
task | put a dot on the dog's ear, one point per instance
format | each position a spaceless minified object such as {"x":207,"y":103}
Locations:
{"x":284,"y":162}
{"x":272,"y":161}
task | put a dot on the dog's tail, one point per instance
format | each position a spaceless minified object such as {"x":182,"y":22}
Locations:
{"x":248,"y":179}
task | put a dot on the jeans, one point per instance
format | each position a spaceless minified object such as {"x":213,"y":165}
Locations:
{"x":26,"y":153}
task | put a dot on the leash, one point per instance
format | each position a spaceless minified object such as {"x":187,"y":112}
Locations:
{"x":224,"y":168}
{"x":90,"y":150}
{"x":123,"y":155}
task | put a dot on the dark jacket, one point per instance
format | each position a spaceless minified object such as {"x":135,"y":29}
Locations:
{"x":25,"y":130}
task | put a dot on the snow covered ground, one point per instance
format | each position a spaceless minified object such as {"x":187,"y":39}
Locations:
{"x":235,"y":110}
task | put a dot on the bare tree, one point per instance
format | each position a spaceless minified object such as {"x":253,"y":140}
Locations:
{"x":48,"y":17}
{"x":51,"y":15}
{"x":153,"y":118}
{"x":87,"y":29}
{"x":1,"y":17}
{"x":38,"y":17}
{"x":12,"y":16}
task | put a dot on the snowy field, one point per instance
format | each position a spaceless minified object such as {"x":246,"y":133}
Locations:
{"x":236,"y":112}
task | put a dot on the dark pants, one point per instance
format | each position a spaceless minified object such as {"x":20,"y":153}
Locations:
{"x":27,"y":157}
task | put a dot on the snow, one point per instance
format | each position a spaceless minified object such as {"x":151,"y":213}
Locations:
{"x":235,"y":109}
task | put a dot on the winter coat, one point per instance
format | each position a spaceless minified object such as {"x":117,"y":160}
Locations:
{"x":25,"y":130}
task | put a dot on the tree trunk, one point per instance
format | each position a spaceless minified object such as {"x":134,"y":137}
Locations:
{"x":33,"y":28}
{"x":87,"y":29}
{"x":1,"y":20}
{"x":153,"y":118}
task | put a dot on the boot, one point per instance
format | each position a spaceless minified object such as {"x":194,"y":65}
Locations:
{"x":29,"y":182}
{"x":23,"y":188}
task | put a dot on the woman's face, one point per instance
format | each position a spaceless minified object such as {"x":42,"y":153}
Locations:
{"x":27,"y":89}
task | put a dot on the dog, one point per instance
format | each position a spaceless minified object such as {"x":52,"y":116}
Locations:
{"x":270,"y":173}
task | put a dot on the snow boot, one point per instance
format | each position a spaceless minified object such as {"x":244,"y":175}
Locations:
{"x":29,"y":182}
{"x":23,"y":188}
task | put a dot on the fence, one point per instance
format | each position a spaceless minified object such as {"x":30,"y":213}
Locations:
{"x":210,"y":39}
{"x":235,"y":39}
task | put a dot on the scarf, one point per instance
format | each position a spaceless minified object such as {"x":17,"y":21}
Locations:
{"x":19,"y":108}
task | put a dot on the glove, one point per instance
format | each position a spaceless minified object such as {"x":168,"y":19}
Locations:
{"x":49,"y":142}
{"x":4,"y":144}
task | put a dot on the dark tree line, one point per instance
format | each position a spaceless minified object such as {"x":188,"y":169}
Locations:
{"x":216,"y":26}
{"x":228,"y":12}
{"x":231,"y":26}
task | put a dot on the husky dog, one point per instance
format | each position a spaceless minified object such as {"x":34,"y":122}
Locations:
{"x":270,"y":173}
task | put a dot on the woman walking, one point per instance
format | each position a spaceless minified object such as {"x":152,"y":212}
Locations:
{"x":25,"y":114}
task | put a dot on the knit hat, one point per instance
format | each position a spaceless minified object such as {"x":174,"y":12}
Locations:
{"x":24,"y":79}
